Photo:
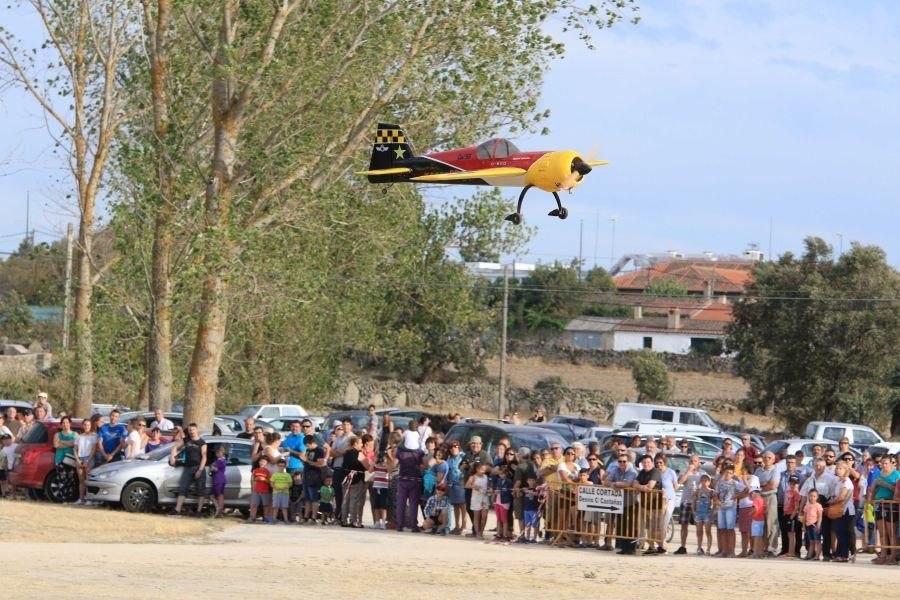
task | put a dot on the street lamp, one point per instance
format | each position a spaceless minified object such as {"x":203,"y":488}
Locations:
{"x":612,"y":249}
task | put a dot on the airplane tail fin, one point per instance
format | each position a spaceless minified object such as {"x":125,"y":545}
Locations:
{"x":390,"y":146}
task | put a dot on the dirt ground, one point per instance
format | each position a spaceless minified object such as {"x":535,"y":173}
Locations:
{"x":241,"y":561}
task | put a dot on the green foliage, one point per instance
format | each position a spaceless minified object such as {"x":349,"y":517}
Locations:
{"x":598,"y":279}
{"x":36,"y":272}
{"x":651,"y":376}
{"x":665,"y":286}
{"x":325,"y":266}
{"x":816,"y":338}
{"x":15,"y":316}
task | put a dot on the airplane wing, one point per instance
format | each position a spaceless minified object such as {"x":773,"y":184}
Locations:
{"x":394,"y":171}
{"x":597,"y":163}
{"x":478,"y":174}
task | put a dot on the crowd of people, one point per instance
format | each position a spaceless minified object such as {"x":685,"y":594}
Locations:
{"x":830,"y":508}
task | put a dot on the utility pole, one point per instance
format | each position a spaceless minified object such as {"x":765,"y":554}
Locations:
{"x":580,"y":237}
{"x":501,"y":401}
{"x":68,"y":286}
{"x":612,"y":248}
{"x":771,"y":225}
{"x":840,"y":236}
{"x":28,"y":241}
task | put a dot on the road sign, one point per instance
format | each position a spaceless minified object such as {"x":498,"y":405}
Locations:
{"x":593,"y":498}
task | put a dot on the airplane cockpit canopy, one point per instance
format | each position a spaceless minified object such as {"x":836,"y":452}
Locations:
{"x":496,"y":148}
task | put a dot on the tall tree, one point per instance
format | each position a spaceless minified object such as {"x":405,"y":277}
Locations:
{"x":87,"y":41}
{"x":815,"y":337}
{"x":297,"y":88}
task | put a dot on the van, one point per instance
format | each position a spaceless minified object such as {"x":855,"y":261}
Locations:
{"x":860,"y":436}
{"x":632,"y":411}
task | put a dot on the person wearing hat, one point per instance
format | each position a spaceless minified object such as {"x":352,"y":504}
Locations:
{"x":437,"y":510}
{"x":42,"y":401}
{"x":475,"y":454}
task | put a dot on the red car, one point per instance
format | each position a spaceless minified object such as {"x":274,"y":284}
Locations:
{"x":35,"y":469}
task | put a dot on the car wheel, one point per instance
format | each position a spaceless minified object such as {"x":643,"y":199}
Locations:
{"x":139,"y":496}
{"x":61,"y":486}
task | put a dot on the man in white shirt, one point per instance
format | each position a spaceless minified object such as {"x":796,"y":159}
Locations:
{"x":823,"y":482}
{"x":161,"y":421}
{"x":424,"y":430}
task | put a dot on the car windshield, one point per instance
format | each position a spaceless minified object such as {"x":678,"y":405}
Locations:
{"x":36,"y":435}
{"x":157,"y":454}
{"x":249,"y":411}
{"x":533,"y":441}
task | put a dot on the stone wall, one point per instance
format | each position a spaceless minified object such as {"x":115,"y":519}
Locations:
{"x":482,"y":397}
{"x":554,"y":351}
{"x":25,"y":364}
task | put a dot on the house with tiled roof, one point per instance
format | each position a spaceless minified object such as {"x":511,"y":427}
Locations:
{"x":697,"y":329}
{"x":700,"y":277}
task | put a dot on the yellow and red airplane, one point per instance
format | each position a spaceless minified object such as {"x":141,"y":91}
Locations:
{"x":496,"y":162}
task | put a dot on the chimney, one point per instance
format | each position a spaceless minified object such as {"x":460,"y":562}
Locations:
{"x":723,"y":299}
{"x":674,"y":321}
{"x":707,"y":289}
{"x":638,"y":312}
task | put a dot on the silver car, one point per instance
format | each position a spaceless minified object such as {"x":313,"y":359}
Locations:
{"x":148,"y":482}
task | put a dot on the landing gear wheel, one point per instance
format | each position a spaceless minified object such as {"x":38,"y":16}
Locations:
{"x":563,"y":212}
{"x":514,"y":218}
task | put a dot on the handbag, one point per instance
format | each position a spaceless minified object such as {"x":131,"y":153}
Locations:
{"x":835,"y":510}
{"x":69,"y":461}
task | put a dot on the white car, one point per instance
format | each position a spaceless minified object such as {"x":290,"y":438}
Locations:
{"x":149,"y":482}
{"x":884,"y":448}
{"x":860,"y":436}
{"x":789,"y":447}
{"x":272,"y":411}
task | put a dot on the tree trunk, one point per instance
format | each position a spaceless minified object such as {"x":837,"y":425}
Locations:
{"x":159,"y":359}
{"x":200,"y":396}
{"x":84,"y":370}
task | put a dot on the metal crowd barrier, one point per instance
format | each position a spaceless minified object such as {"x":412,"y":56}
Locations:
{"x":591,"y":512}
{"x":882,"y":533}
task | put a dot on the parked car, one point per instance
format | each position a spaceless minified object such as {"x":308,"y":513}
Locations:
{"x":717,"y":439}
{"x":34,"y":467}
{"x":580,"y":424}
{"x":791,"y":446}
{"x":529,"y":436}
{"x":596,"y":434}
{"x":860,"y":436}
{"x":105,"y":409}
{"x":149,"y":482}
{"x":657,"y":428}
{"x":568,"y":432}
{"x":271,"y":411}
{"x":284,"y":424}
{"x":884,"y":448}
{"x":360,"y":418}
{"x":220,"y":426}
{"x":19,"y":405}
{"x":235,"y":423}
{"x":677,"y":415}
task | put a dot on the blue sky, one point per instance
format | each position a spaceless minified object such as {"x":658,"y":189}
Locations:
{"x":716,"y":117}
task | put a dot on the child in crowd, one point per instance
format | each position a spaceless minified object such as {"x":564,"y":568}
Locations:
{"x":326,"y":500}
{"x":480,"y":502}
{"x":217,"y":469}
{"x":502,"y":502}
{"x":758,"y":524}
{"x":812,"y":520}
{"x":725,"y":500}
{"x":791,"y":511}
{"x":262,"y":490}
{"x":281,"y":492}
{"x":380,"y":492}
{"x":703,"y":513}
{"x":297,"y":500}
{"x":531,"y":507}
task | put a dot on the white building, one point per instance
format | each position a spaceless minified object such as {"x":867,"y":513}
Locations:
{"x":669,"y":334}
{"x":492,"y":271}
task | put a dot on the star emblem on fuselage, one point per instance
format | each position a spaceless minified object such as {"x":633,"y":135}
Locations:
{"x":399,"y":152}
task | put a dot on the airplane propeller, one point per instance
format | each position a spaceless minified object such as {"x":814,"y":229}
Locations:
{"x":579,"y":169}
